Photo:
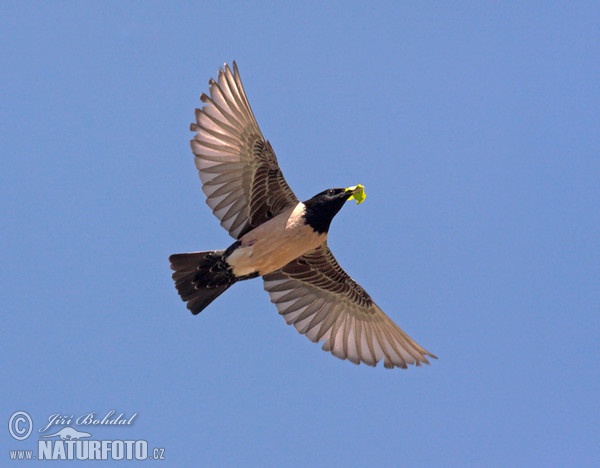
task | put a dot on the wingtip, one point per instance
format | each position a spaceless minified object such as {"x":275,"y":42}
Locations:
{"x":229,"y":70}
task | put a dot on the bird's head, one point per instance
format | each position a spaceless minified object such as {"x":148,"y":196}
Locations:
{"x":321,"y":208}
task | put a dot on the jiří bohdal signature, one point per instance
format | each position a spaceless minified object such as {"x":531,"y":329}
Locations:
{"x":88,"y":419}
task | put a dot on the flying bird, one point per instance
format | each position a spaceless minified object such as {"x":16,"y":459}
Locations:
{"x":279,"y":238}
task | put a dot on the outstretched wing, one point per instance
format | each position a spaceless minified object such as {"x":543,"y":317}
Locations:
{"x":238,"y":168}
{"x":315,"y":294}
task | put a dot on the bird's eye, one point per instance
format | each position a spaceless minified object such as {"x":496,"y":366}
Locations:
{"x":331,"y":192}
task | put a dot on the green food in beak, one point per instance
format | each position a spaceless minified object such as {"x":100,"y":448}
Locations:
{"x":358,"y":193}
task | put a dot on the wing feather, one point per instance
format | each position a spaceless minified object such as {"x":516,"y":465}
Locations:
{"x":320,"y":299}
{"x":238,"y":168}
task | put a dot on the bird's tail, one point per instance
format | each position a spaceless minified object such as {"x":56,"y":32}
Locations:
{"x":201,"y":277}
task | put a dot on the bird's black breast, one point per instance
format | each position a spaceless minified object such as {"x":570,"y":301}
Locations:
{"x":321,"y":209}
{"x":319,"y":223}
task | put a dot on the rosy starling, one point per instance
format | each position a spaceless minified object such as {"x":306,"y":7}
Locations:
{"x":279,"y":238}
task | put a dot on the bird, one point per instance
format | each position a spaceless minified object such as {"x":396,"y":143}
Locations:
{"x":279,"y":238}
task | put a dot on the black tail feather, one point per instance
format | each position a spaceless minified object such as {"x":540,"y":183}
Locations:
{"x":201,"y":277}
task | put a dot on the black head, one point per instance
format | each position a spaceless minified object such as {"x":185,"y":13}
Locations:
{"x":321,"y":208}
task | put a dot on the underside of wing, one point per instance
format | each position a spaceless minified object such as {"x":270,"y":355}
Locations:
{"x":320,"y":299}
{"x":239,"y":171}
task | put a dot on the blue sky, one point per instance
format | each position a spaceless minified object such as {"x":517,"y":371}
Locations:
{"x":474,"y":128}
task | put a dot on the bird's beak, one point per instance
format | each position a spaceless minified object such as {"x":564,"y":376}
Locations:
{"x":357,"y":192}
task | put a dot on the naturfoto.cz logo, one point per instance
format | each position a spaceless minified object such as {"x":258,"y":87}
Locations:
{"x":60,"y":440}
